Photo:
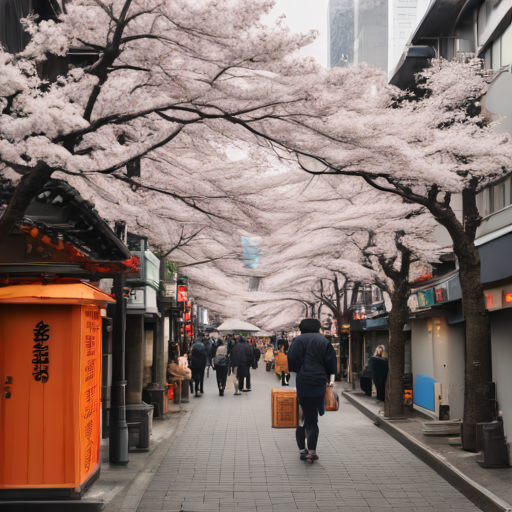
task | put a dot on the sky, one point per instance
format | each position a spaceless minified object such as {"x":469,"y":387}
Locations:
{"x":303,"y":16}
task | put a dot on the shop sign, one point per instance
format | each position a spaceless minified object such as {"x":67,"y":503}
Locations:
{"x":426,"y":298}
{"x":493,"y":299}
{"x":41,"y":361}
{"x":182,"y":293}
{"x":441,"y":293}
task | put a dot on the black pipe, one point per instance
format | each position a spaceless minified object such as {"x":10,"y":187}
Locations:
{"x":118,"y":435}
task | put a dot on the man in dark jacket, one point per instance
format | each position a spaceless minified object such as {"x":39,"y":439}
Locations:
{"x":242,"y":358}
{"x":198,"y":359}
{"x":313,"y":358}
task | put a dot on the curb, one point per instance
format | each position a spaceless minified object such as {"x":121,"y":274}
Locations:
{"x":477,"y":494}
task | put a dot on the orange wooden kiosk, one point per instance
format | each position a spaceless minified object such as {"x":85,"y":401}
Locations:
{"x":50,"y":364}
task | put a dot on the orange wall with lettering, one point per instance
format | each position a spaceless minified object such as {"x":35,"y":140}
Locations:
{"x":49,"y":431}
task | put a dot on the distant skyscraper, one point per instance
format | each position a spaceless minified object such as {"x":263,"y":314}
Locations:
{"x":371,"y":31}
{"x":358,"y":32}
{"x":341,"y":33}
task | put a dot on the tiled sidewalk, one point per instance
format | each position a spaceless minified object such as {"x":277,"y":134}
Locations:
{"x":228,"y":458}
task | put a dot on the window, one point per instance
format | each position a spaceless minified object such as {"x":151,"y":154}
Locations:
{"x":376,"y":294}
{"x":496,"y":54}
{"x":495,"y":197}
{"x":482,"y":21}
{"x":506,"y":47}
{"x":487,"y":59}
{"x":484,"y":202}
{"x":499,"y":197}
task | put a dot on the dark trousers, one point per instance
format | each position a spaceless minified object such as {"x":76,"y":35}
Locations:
{"x":222,"y":375}
{"x":198,"y":376}
{"x":312,"y":407}
{"x":244,"y":373}
{"x":380,"y":386}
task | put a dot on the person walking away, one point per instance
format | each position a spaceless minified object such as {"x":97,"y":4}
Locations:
{"x":256,"y":354}
{"x":220,"y":365}
{"x":281,"y":369}
{"x":379,"y":366}
{"x":313,"y":358}
{"x":242,"y":358}
{"x":215,"y":346}
{"x":198,"y":360}
{"x":208,"y":347}
{"x":269,"y":358}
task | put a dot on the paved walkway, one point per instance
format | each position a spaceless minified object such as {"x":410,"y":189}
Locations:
{"x":228,"y":458}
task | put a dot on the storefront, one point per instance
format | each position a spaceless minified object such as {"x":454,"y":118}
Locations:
{"x":438,"y":346}
{"x":499,"y":304}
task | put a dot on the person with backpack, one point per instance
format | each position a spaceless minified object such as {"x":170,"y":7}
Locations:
{"x":220,"y":365}
{"x":281,"y":367}
{"x":313,"y":359}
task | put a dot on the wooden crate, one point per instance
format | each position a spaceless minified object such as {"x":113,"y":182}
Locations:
{"x":285,"y":408}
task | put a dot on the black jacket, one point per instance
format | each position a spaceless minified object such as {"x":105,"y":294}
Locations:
{"x":198,"y":357}
{"x":313,"y":358}
{"x":379,"y":366}
{"x":241,"y":355}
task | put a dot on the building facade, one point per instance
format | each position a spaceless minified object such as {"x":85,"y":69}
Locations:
{"x":449,"y":29}
{"x":371,"y":31}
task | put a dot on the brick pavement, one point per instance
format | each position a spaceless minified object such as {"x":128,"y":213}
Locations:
{"x":228,"y":458}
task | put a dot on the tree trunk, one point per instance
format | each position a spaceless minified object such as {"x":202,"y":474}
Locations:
{"x":394,"y":404}
{"x":28,"y":187}
{"x":478,"y":406}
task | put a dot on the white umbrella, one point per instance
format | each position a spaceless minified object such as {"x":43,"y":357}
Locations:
{"x":262,"y":334}
{"x":235,"y":325}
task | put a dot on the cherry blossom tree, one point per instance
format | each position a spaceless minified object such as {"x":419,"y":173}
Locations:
{"x":424,"y":148}
{"x":163,"y":69}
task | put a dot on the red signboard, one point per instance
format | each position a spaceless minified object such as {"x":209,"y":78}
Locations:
{"x":182,"y":294}
{"x":440,"y":295}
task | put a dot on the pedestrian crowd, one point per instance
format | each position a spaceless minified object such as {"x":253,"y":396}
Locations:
{"x":310,"y":357}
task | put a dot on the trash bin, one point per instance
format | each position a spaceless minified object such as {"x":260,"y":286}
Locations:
{"x":139,"y":418}
{"x":51,"y":346}
{"x":157,"y":397}
{"x":494,"y":445}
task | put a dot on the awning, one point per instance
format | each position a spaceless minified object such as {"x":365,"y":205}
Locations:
{"x":59,"y":291}
{"x":235,"y":325}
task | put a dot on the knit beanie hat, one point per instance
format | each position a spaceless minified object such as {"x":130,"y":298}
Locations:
{"x":310,"y":325}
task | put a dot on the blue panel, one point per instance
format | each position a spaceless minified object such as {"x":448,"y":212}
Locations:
{"x":424,"y":393}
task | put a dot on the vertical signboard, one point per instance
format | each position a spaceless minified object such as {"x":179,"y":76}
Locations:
{"x":90,"y":391}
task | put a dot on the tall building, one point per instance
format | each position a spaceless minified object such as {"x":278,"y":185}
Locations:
{"x":358,"y":32}
{"x":371,"y":31}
